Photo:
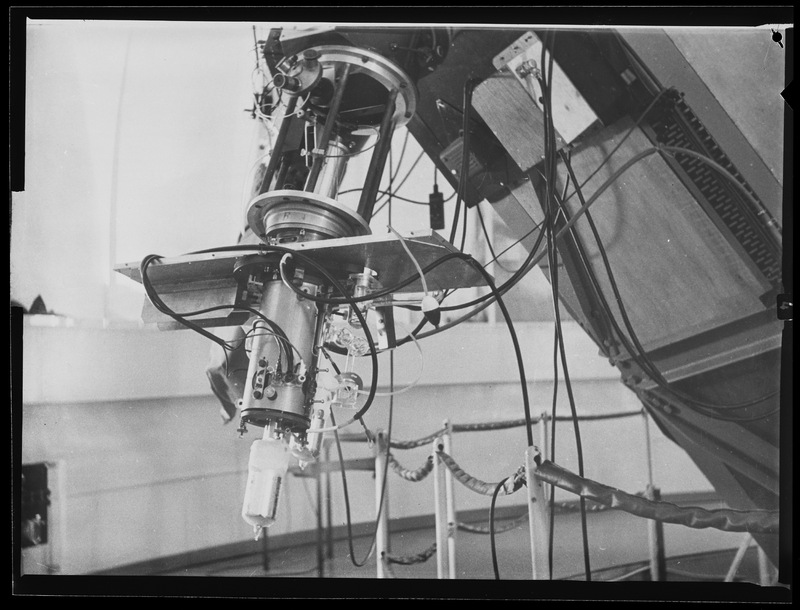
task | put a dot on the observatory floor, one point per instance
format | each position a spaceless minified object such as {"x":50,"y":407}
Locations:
{"x":618,"y":546}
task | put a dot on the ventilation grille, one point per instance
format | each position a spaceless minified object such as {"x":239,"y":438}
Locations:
{"x":682,"y":128}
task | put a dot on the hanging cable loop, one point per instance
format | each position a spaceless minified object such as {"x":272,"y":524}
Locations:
{"x":481,"y":487}
{"x":408,"y":560}
{"x":412,"y":475}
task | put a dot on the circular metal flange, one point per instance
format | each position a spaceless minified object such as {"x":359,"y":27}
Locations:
{"x":287,"y":211}
{"x":380,"y":69}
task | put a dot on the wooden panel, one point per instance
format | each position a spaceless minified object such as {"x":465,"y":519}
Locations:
{"x":510,"y":113}
{"x":676,"y":273}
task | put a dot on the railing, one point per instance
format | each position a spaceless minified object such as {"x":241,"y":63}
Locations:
{"x":536,"y":472}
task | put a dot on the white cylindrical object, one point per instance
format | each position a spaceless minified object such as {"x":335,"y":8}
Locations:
{"x":269,"y":463}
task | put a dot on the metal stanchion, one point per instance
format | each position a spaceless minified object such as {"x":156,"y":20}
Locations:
{"x":544,"y":448}
{"x":439,"y":513}
{"x":451,"y":504}
{"x":655,"y":529}
{"x":737,"y":560}
{"x":328,"y":506}
{"x":764,"y":571}
{"x":320,"y":526}
{"x":381,"y":499}
{"x":537,"y":515}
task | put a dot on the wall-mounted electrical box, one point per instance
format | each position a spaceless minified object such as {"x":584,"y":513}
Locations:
{"x":40,"y":523}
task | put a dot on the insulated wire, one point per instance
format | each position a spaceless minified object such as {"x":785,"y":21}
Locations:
{"x":550,"y":161}
{"x":617,"y":147}
{"x":489,"y":244}
{"x":463,"y":177}
{"x":491,"y":527}
{"x":396,"y":196}
{"x":411,"y":385}
{"x":350,"y":540}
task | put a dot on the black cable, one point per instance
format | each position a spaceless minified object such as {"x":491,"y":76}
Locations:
{"x":552,"y":456}
{"x":489,"y":242}
{"x":517,"y":351}
{"x":550,"y":168}
{"x":373,"y":295}
{"x":607,"y":158}
{"x":533,"y":258}
{"x":491,"y":527}
{"x":163,"y":308}
{"x":396,"y":196}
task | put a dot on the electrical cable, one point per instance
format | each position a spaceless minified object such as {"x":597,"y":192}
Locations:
{"x":396,"y":196}
{"x":552,"y":456}
{"x":550,"y":168}
{"x":411,"y":385}
{"x":607,"y":158}
{"x":412,"y":257}
{"x":383,"y":486}
{"x":599,"y":191}
{"x":533,"y":257}
{"x":491,"y":527}
{"x":399,"y":186}
{"x":489,"y":243}
{"x":469,"y":85}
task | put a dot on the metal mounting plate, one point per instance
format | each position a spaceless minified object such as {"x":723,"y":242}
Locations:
{"x":382,"y":253}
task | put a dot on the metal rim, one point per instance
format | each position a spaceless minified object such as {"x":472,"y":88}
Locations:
{"x":347,"y":223}
{"x":381,"y":69}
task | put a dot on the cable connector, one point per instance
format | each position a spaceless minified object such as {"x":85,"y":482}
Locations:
{"x":516,"y":481}
{"x":436,"y":208}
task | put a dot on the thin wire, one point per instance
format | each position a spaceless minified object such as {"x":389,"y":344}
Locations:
{"x":617,"y":147}
{"x":413,"y":383}
{"x":552,"y":456}
{"x":396,"y":196}
{"x":550,"y":160}
{"x":489,"y":244}
{"x":350,"y":541}
{"x":463,"y":176}
{"x":412,"y":257}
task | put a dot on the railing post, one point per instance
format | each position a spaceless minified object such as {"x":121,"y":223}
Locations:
{"x":328,"y":505}
{"x":655,"y":529}
{"x":764,"y":572}
{"x":439,"y":513}
{"x":450,"y":504}
{"x":320,"y":524}
{"x":537,"y":515}
{"x":737,"y":560}
{"x":381,"y":499}
{"x":544,"y":448}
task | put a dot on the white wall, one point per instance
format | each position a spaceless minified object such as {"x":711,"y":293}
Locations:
{"x":137,"y":143}
{"x":150,"y":471}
